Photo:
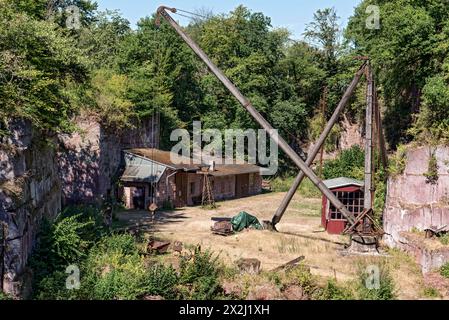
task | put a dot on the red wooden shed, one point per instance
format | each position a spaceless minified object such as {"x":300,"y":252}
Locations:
{"x":350,"y":192}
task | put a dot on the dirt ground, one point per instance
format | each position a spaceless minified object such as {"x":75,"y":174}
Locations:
{"x":300,"y":234}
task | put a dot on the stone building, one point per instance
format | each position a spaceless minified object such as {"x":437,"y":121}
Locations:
{"x":150,"y":175}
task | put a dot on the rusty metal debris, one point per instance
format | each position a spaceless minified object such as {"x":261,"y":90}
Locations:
{"x":159,"y":247}
{"x":222,"y":228}
{"x":289,"y":264}
{"x":434,"y":231}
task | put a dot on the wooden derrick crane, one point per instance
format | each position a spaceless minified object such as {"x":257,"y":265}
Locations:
{"x":304,"y":166}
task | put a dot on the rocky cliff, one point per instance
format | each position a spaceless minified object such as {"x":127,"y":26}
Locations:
{"x":30,"y":189}
{"x":414,"y":204}
{"x":89,"y":160}
{"x":38,"y":176}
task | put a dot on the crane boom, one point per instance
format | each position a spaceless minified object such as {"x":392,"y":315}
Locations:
{"x":162,"y":12}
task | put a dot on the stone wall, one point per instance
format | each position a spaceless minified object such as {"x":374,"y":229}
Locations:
{"x":89,"y":161}
{"x":29,"y":190}
{"x":411,"y":202}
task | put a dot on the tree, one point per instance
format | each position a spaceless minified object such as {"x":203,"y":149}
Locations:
{"x":409,"y":48}
{"x":40,"y":71}
{"x":325,"y":32}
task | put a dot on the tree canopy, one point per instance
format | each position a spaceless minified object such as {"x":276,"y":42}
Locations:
{"x":50,"y":73}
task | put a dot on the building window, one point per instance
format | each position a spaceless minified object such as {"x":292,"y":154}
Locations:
{"x":353,"y":201}
{"x":192,"y":188}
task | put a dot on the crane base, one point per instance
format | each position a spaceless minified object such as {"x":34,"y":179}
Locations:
{"x":268,"y":225}
{"x":364,"y":244}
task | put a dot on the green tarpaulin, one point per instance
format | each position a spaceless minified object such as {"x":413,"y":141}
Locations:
{"x":244,"y":220}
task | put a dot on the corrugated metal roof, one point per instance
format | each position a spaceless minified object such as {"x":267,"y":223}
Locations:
{"x":342,"y":182}
{"x":230,"y":169}
{"x":136,"y":157}
{"x":142,"y":173}
{"x":166,"y":158}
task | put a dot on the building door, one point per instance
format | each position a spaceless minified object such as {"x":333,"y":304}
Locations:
{"x":241,"y":185}
{"x":138,"y":197}
{"x":181,"y":189}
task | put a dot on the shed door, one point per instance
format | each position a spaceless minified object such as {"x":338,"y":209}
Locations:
{"x":181,"y":189}
{"x":241,"y":185}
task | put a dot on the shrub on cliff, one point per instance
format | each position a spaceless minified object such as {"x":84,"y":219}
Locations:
{"x":350,"y":163}
{"x":444,"y":270}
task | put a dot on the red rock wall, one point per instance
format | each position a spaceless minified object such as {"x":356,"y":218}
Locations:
{"x":89,"y":161}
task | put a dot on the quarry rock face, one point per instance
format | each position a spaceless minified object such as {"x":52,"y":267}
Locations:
{"x":351,"y":135}
{"x":29,"y":191}
{"x":40,"y":175}
{"x":89,"y":160}
{"x":414,"y":204}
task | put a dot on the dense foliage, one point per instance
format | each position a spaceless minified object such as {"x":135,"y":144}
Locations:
{"x":350,"y":163}
{"x":113,"y":266}
{"x":50,"y":72}
{"x":410,"y":55}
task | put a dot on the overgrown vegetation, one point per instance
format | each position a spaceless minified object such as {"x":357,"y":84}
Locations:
{"x":114,"y":266}
{"x":444,"y":270}
{"x":432,"y":170}
{"x":410,"y":55}
{"x":375,"y":282}
{"x":350,"y":163}
{"x":398,"y":161}
{"x":444,"y":238}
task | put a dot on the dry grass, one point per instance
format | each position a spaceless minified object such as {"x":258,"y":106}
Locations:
{"x":300,"y":234}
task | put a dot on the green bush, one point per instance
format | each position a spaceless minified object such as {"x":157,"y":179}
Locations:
{"x":398,"y":161}
{"x":115,"y":277}
{"x":4,"y":296}
{"x":53,"y":287}
{"x":386,"y":290}
{"x":162,"y":280}
{"x":198,"y":277}
{"x":119,"y":243}
{"x":114,"y":269}
{"x":444,"y":239}
{"x":302,"y":276}
{"x":432,"y":124}
{"x":431,"y":292}
{"x":65,"y":241}
{"x":380,"y":183}
{"x":444,"y":270}
{"x":350,"y":163}
{"x":432,"y":171}
{"x":333,"y":291}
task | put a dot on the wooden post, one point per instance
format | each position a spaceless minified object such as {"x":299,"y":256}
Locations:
{"x":369,"y":139}
{"x":323,"y":103}
{"x":382,"y":145}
